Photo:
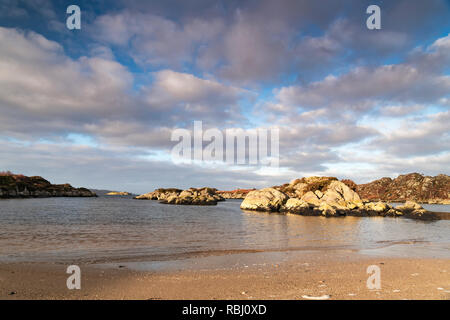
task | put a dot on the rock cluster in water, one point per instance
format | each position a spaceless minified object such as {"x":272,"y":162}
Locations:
{"x":191,"y":196}
{"x":325,"y":196}
{"x":20,"y":186}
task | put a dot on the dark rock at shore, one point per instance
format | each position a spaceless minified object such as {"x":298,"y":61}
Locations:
{"x":413,"y":186}
{"x":20,"y":186}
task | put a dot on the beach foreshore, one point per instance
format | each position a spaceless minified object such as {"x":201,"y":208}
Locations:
{"x":340,"y":275}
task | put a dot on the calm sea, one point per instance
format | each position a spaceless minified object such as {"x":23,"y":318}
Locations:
{"x":114,"y":229}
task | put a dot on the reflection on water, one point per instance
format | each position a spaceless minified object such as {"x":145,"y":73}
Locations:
{"x":114,"y":229}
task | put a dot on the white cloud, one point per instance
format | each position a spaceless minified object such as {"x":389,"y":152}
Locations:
{"x":171,"y":88}
{"x":154,"y":39}
{"x":43,"y":92}
{"x":364,"y":87}
{"x":37,"y":78}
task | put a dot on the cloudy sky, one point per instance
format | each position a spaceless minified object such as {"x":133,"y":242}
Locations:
{"x":96,"y":107}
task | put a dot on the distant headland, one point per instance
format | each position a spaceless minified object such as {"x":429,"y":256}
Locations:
{"x":20,"y":186}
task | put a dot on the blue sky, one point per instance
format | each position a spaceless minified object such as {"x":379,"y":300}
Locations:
{"x":96,"y":107}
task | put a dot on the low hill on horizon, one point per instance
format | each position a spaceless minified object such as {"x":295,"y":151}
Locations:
{"x":412,"y":186}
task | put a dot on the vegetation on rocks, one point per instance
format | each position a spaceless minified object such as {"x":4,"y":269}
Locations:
{"x":412,"y":186}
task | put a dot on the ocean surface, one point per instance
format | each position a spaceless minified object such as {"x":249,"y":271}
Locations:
{"x":120,"y":229}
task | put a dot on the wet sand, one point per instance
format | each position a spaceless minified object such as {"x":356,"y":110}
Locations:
{"x":339,"y":275}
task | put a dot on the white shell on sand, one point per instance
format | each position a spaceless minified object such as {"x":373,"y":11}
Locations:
{"x":324,"y":297}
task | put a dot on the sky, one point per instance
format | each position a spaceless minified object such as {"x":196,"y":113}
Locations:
{"x":96,"y":107}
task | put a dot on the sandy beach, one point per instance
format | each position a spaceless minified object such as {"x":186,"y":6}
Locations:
{"x":338,"y":275}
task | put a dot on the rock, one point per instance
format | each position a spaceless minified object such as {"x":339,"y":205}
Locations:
{"x":379,"y":207}
{"x":352,"y":206}
{"x":336,"y":194}
{"x":234,"y":194}
{"x":268,"y":199}
{"x":295,"y":205}
{"x":339,"y":192}
{"x":118,"y":193}
{"x":311,"y":197}
{"x":411,"y":209}
{"x":318,"y":194}
{"x":327,"y":210}
{"x":393,"y":213}
{"x":409,"y":206}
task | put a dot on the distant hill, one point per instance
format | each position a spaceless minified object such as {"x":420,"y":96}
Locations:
{"x":20,"y":186}
{"x":412,"y":186}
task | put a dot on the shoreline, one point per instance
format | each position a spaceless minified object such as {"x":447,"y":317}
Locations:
{"x":342,"y":275}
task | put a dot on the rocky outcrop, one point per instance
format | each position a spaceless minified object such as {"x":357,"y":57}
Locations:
{"x":412,"y":187}
{"x":118,"y":193}
{"x":20,"y":186}
{"x":192,"y":196}
{"x":324,"y":196}
{"x":159,"y":194}
{"x":234,"y":194}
